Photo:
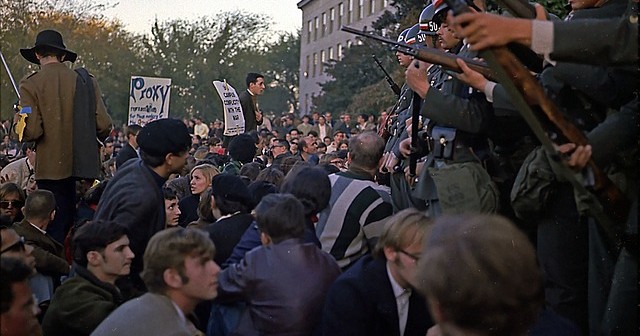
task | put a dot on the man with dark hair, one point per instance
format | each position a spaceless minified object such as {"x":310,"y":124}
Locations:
{"x":307,"y":149}
{"x":279,"y":151}
{"x":101,"y":255}
{"x":39,"y":211}
{"x":375,"y":296}
{"x":242,"y":149}
{"x":171,"y":208}
{"x":180,"y":273}
{"x":18,"y":311}
{"x":249,"y":103}
{"x":129,"y":151}
{"x":66,"y":115}
{"x":354,"y":219}
{"x":134,"y":197}
{"x":285,"y":281}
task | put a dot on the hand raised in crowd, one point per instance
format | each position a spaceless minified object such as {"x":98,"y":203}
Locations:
{"x":484,"y":30}
{"x":416,"y":75}
{"x":580,"y":155}
{"x":471,"y":77}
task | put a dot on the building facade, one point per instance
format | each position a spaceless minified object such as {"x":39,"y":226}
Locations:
{"x":322,"y":40}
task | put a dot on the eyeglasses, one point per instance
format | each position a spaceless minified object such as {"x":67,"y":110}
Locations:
{"x":14,"y":204}
{"x":15,"y":247}
{"x":413,"y":257}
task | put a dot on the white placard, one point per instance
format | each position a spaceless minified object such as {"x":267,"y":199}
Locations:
{"x":233,"y":117}
{"x":148,"y":99}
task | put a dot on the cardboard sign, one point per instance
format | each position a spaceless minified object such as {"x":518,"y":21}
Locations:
{"x":233,"y":116}
{"x":148,"y":99}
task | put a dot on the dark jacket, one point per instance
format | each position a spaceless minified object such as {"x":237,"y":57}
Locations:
{"x":188,"y":210}
{"x":361,"y":302}
{"x":49,"y":254}
{"x":284,"y":286}
{"x":134,"y":199}
{"x":226,"y":233}
{"x":126,"y":153}
{"x":248,"y":103}
{"x":80,"y":304}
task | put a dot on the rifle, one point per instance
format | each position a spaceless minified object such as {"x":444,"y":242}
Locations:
{"x":429,"y":55}
{"x":607,"y":202}
{"x":21,"y":123}
{"x":392,"y":84}
{"x":6,"y":67}
{"x":415,"y":115}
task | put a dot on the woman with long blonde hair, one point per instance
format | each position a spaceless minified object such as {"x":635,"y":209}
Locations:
{"x":200,"y":179}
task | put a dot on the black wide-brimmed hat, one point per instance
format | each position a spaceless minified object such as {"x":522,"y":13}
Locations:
{"x":48,"y":38}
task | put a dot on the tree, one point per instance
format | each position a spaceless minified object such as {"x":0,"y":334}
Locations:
{"x":283,"y":75}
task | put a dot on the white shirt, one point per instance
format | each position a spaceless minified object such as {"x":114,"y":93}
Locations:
{"x":39,"y":229}
{"x":402,"y":296}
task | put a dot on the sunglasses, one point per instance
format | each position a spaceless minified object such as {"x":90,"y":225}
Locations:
{"x":18,"y":246}
{"x":15,"y":204}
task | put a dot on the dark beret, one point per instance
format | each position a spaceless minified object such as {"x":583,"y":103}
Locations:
{"x":231,"y":188}
{"x":260,"y":189}
{"x":163,"y":136}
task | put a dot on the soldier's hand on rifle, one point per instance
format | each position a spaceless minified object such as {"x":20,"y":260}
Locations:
{"x":391,"y":162}
{"x":405,"y":147}
{"x":580,"y":155}
{"x":484,"y":30}
{"x":471,"y":77}
{"x":412,"y":180}
{"x":416,"y":75}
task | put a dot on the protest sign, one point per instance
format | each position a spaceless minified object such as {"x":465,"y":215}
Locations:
{"x":233,"y":117}
{"x":148,"y":99}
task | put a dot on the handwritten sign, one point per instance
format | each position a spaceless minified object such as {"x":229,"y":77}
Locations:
{"x":233,"y":117}
{"x":148,"y":99}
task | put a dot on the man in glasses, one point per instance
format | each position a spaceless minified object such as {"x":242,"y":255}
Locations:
{"x":374,"y":296}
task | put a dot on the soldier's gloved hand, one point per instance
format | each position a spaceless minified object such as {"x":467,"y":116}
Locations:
{"x":405,"y":147}
{"x":416,"y":75}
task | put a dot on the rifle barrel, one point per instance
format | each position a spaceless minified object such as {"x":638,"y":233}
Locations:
{"x":13,"y":82}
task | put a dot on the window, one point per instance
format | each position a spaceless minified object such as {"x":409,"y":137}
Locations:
{"x":316,"y":22}
{"x":332,"y":19}
{"x":331,"y":53}
{"x":309,"y":29}
{"x":360,"y":9}
{"x":306,"y":71}
{"x":315,"y":64}
{"x":350,"y":18}
{"x":339,"y":50}
{"x":372,"y":6}
{"x":348,"y":43}
{"x":340,"y":13}
{"x":324,"y":24}
{"x":323,"y":59}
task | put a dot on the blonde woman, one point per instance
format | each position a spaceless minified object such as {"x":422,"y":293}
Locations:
{"x":200,"y":179}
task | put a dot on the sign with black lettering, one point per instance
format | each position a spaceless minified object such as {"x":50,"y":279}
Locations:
{"x":233,"y":117}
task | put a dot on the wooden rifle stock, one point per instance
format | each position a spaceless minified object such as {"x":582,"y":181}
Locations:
{"x":429,"y":55}
{"x":614,"y":203}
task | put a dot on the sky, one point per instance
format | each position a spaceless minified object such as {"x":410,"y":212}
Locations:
{"x":139,"y":15}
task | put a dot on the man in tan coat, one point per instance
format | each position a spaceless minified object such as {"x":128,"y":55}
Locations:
{"x":66,"y":117}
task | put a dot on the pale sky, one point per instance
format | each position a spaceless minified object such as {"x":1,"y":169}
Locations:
{"x":139,"y":15}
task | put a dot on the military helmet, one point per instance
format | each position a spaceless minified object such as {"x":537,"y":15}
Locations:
{"x":403,"y":36}
{"x":427,"y":25}
{"x":414,"y":35}
{"x":440,"y":11}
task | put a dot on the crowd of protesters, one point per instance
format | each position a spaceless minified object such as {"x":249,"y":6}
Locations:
{"x":316,"y":226}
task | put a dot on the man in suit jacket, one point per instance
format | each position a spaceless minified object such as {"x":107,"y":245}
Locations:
{"x":39,"y":210}
{"x":129,"y":150}
{"x":248,"y":100}
{"x":375,"y":295}
{"x":179,"y":272}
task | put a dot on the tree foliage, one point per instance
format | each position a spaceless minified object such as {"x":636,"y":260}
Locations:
{"x":191,"y":53}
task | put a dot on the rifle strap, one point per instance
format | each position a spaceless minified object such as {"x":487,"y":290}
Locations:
{"x":493,"y":57}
